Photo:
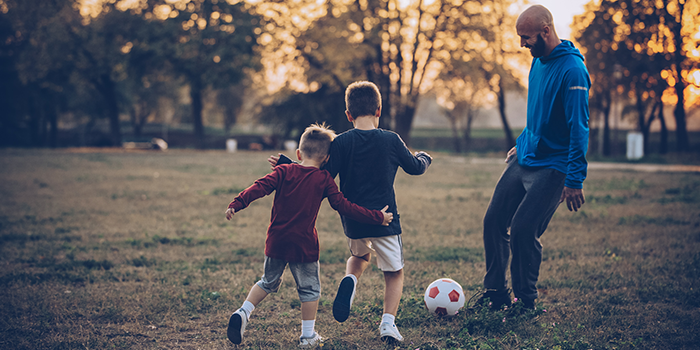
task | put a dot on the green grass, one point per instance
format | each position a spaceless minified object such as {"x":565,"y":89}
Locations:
{"x":116,"y":250}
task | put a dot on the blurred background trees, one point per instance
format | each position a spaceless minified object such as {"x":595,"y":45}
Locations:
{"x":642,"y":55}
{"x":110,"y":70}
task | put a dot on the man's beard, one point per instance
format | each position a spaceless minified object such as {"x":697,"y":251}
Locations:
{"x":538,"y":49}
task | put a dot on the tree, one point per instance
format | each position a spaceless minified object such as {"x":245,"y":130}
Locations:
{"x":208,"y":43}
{"x":461,"y":91}
{"x":647,"y":41}
{"x":682,"y":19}
{"x":292,"y":114}
{"x":401,"y":46}
{"x":39,"y":44}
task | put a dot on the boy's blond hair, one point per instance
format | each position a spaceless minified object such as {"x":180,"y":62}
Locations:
{"x":316,"y":141}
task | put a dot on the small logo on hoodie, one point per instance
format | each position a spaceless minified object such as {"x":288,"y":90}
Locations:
{"x":578,"y":88}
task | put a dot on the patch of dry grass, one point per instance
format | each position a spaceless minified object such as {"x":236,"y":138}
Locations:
{"x":102,"y":250}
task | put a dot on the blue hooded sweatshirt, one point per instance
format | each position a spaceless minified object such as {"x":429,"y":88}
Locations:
{"x":556,"y":135}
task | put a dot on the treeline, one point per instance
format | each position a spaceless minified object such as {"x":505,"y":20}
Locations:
{"x":642,"y":54}
{"x":82,"y":64}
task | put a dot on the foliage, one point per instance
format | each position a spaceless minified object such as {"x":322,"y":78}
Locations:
{"x":641,"y":51}
{"x":84,"y":63}
{"x":400,"y":46}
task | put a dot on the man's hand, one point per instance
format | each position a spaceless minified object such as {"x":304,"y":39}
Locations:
{"x":388,"y":217}
{"x":273,"y":160}
{"x":511,"y":153}
{"x":229,"y":213}
{"x":574,"y":198}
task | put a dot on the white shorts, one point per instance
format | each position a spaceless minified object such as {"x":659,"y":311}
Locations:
{"x":389,"y":251}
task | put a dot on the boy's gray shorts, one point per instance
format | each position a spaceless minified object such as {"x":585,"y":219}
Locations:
{"x":306,"y":276}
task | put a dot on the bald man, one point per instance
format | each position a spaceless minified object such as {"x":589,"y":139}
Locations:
{"x":545,"y":168}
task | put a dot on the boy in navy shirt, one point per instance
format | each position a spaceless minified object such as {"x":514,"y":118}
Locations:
{"x":367,"y":159}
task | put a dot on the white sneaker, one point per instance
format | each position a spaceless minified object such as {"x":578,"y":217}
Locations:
{"x":308,"y":343}
{"x":236,"y":326}
{"x":388,"y":331}
{"x":343,"y":299}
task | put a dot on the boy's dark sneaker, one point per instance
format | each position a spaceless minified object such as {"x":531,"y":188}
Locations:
{"x":495,"y":299}
{"x":343,"y":299}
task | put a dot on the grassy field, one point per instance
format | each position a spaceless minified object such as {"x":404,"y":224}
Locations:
{"x":111,"y":250}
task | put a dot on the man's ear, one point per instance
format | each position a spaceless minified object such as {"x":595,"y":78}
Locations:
{"x":350,"y":118}
{"x":299,"y":154}
{"x":378,"y":113}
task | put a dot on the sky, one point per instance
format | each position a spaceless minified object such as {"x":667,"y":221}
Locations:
{"x":563,"y":12}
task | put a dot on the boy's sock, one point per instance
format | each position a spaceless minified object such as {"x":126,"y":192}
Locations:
{"x":248,"y":307}
{"x":307,"y":328}
{"x":354,"y":278}
{"x":388,"y":318}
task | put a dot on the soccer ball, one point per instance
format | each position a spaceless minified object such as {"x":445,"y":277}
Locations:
{"x":444,"y":297}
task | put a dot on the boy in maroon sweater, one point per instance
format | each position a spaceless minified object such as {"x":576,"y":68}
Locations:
{"x":291,"y":237}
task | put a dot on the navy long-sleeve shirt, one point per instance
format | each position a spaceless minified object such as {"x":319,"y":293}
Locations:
{"x":367,"y":162}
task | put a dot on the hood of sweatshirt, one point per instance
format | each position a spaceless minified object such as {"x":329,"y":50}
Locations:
{"x":565,"y":48}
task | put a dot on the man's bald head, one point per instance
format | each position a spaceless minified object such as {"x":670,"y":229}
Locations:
{"x":536,"y":17}
{"x":535,"y":26}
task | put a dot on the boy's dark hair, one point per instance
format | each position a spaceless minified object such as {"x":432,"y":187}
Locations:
{"x":362,"y":98}
{"x":316,"y":141}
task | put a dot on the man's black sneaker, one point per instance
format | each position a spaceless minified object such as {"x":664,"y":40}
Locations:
{"x":528,"y":304}
{"x":495,"y":299}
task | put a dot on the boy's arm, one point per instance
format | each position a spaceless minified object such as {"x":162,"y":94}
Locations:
{"x":279,"y":160}
{"x":261,"y":188}
{"x":412,"y":164}
{"x":354,"y":211}
{"x":333,"y":163}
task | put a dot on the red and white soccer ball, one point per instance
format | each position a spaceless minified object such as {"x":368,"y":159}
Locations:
{"x":444,"y":297}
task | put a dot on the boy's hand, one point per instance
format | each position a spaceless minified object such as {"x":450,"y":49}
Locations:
{"x":388,"y":217}
{"x":273,"y":160}
{"x":229,"y":213}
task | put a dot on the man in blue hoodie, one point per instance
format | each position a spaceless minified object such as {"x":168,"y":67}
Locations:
{"x":546,"y":167}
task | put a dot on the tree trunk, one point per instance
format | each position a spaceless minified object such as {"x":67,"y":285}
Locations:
{"x":108,"y":90}
{"x":404,"y":119}
{"x":196,"y":96}
{"x":510,"y":142}
{"x":468,"y":129}
{"x":455,"y":131}
{"x":52,"y":120}
{"x":679,"y":113}
{"x":35,"y":118}
{"x":663,"y":146}
{"x":136,"y":115}
{"x":607,"y":105}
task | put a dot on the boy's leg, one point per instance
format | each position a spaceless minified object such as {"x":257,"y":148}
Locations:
{"x":393,"y":288}
{"x":239,"y":319}
{"x":269,"y":283}
{"x":390,"y":260}
{"x":357,"y":263}
{"x":256,"y":295}
{"x":308,"y":283}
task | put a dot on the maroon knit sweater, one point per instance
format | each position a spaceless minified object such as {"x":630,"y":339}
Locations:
{"x":300,"y":190}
